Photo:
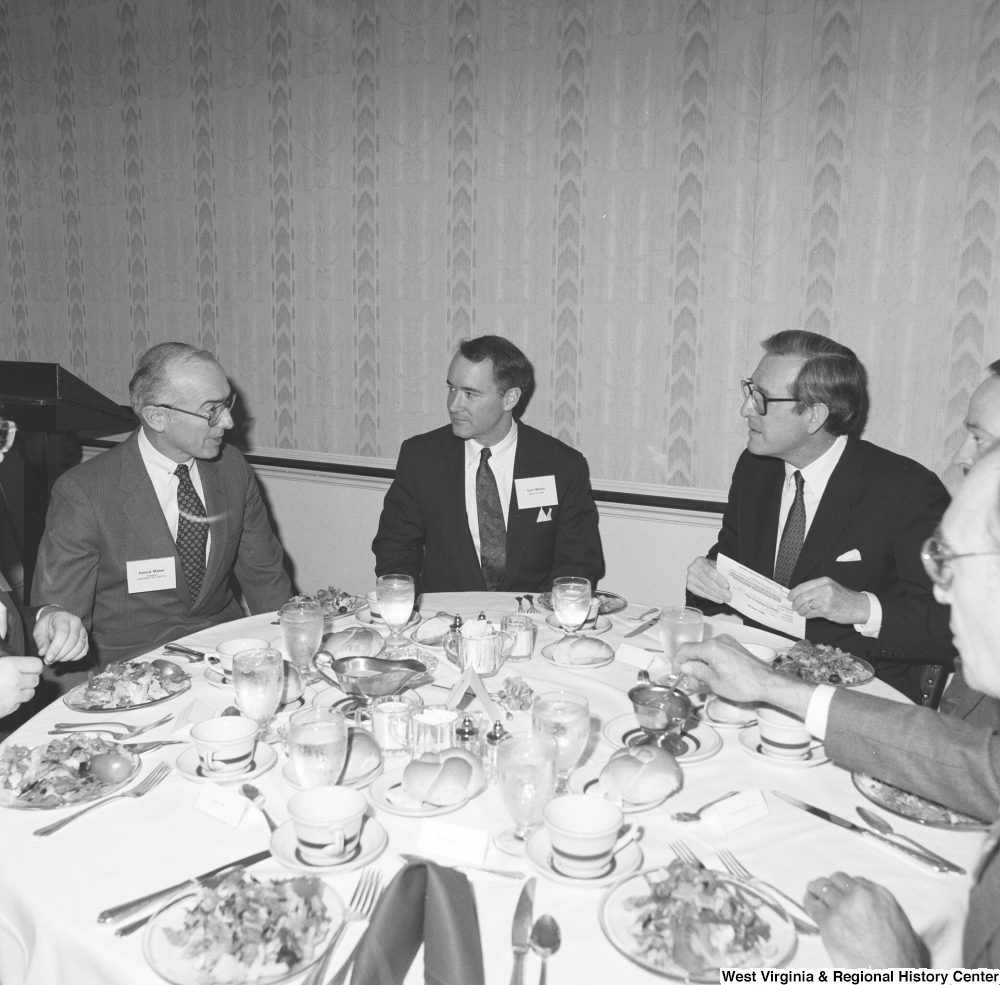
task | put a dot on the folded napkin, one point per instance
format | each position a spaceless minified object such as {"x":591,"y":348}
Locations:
{"x":430,"y":904}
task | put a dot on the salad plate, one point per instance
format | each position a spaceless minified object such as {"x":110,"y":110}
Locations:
{"x":645,"y":915}
{"x":584,"y":780}
{"x":750,"y":743}
{"x":539,"y":853}
{"x":189,"y":766}
{"x":702,"y":741}
{"x":56,"y":774}
{"x":822,"y":664}
{"x":124,"y":686}
{"x":204,"y":938}
{"x":726,"y":714}
{"x":387,"y":793}
{"x":284,"y":847}
{"x":602,"y":625}
{"x":432,"y":631}
{"x":913,"y":807}
{"x":610,"y":603}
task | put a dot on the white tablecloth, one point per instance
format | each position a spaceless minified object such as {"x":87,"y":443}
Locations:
{"x":51,"y":889}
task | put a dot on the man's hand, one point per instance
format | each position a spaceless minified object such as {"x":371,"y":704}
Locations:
{"x":823,"y":598}
{"x":705,"y":582}
{"x":862,"y":925}
{"x":18,"y":680}
{"x":60,"y":635}
{"x":732,"y":673}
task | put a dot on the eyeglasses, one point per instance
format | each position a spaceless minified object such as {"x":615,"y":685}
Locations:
{"x":760,"y":402}
{"x":7,"y":431}
{"x":214,"y":414}
{"x":937,"y":556}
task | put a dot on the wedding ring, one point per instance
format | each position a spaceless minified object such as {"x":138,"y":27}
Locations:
{"x":824,"y":888}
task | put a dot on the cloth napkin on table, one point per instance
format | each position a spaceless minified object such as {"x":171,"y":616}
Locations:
{"x":429,"y":904}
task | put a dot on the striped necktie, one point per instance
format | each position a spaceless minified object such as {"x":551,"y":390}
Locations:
{"x":792,"y":536}
{"x":192,"y":531}
{"x":492,"y":529}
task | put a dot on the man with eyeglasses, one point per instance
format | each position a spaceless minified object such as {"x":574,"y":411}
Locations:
{"x":939,"y":757}
{"x":837,"y":520}
{"x":142,"y":541}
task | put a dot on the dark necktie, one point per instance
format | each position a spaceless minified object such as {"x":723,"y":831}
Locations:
{"x":192,"y":531}
{"x":492,"y":530}
{"x":792,"y":536}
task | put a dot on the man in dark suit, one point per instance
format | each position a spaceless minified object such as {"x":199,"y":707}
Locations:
{"x":940,"y":757}
{"x":142,"y":541}
{"x":488,"y":503}
{"x":836,"y":519}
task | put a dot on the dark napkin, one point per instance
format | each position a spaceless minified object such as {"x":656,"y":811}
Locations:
{"x":430,"y":904}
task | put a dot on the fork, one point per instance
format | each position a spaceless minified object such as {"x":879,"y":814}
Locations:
{"x":366,"y":895}
{"x":143,"y":788}
{"x":130,"y":730}
{"x":531,"y":605}
{"x":520,"y":600}
{"x":738,"y":869}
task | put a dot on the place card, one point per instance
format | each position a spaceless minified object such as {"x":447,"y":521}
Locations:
{"x":739,"y":811}
{"x":194,"y":713}
{"x":634,"y":656}
{"x":467,"y":845}
{"x":221,"y":803}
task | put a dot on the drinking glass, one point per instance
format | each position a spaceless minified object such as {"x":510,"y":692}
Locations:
{"x":526,"y":775}
{"x":302,"y":631}
{"x":259,"y":681}
{"x":571,"y":602}
{"x":317,"y":746}
{"x":395,"y":595}
{"x":680,"y":624}
{"x":565,"y":715}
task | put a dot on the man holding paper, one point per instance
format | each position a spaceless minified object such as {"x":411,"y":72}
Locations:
{"x":488,"y":503}
{"x":835,"y":519}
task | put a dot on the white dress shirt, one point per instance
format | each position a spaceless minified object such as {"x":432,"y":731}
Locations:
{"x":815,"y":477}
{"x":819,"y":710}
{"x":162,"y":473}
{"x":502,"y":463}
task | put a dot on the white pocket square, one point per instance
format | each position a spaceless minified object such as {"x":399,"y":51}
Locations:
{"x":544,"y":514}
{"x":854,"y":555}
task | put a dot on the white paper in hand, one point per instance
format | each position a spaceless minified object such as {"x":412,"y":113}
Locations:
{"x":760,"y":598}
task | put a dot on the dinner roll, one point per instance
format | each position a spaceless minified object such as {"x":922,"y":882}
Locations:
{"x":357,"y":641}
{"x":640,"y":775}
{"x":363,"y":755}
{"x":444,"y":778}
{"x":580,"y":650}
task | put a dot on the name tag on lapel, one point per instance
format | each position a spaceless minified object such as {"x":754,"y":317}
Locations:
{"x":151,"y":575}
{"x":537,"y":491}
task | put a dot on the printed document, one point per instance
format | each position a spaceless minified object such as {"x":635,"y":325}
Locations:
{"x":760,"y":598}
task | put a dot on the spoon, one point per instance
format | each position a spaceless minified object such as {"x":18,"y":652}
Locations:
{"x":545,"y":941}
{"x":882,"y":826}
{"x":170,"y":670}
{"x":696,"y":815}
{"x":257,"y":799}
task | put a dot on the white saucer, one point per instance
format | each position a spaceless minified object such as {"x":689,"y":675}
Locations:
{"x":288,"y":772}
{"x":705,"y":740}
{"x":539,"y":852}
{"x":547,"y":654}
{"x":365,"y":618}
{"x":284,"y":848}
{"x":602,"y":625}
{"x":188,"y":766}
{"x":584,"y":780}
{"x":377,"y":794}
{"x":750,"y":741}
{"x":705,"y":713}
{"x":217,"y":679}
{"x":431,"y":624}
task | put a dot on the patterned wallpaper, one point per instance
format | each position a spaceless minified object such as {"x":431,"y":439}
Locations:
{"x":329,"y":194}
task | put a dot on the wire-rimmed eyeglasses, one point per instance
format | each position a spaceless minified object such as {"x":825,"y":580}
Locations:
{"x":760,"y":401}
{"x":937,"y":557}
{"x":214,"y":414}
{"x":7,"y":431}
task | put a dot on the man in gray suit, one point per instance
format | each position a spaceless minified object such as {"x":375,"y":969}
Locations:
{"x":940,"y":757}
{"x":143,"y":541}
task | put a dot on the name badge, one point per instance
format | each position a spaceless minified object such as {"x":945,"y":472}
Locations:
{"x":151,"y":575}
{"x":538,"y":491}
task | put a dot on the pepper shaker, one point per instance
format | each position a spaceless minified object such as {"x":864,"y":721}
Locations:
{"x":467,"y":736}
{"x":493,"y":738}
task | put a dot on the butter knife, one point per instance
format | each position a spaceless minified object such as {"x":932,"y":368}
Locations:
{"x":520,"y":931}
{"x":643,"y":627}
{"x":938,"y":863}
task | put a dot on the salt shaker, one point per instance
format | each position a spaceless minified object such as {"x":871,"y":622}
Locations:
{"x":467,"y":736}
{"x":493,"y":738}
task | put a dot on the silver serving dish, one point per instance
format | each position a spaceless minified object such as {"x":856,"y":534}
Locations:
{"x":662,"y":711}
{"x":369,"y":677}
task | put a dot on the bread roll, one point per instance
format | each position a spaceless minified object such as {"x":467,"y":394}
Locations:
{"x":357,"y":641}
{"x":418,"y":777}
{"x":641,"y":775}
{"x":581,"y":650}
{"x":443,"y":778}
{"x":363,"y":755}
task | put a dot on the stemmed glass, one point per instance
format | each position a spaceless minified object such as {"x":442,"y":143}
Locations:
{"x":395,"y":595}
{"x":526,"y":773}
{"x":571,"y":602}
{"x":678,"y":625}
{"x":259,"y":680}
{"x":565,"y":715}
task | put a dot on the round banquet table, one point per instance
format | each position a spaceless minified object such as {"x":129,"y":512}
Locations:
{"x":52,"y":888}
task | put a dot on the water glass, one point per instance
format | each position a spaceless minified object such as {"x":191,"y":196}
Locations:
{"x":679,"y":624}
{"x":317,"y":746}
{"x":259,"y":682}
{"x":523,"y":629}
{"x":526,"y":776}
{"x":565,"y":715}
{"x":571,"y":602}
{"x":302,"y":631}
{"x":396,"y":595}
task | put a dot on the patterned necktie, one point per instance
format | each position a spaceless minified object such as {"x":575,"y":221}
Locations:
{"x":792,"y":536}
{"x":492,"y":530}
{"x":192,"y":531}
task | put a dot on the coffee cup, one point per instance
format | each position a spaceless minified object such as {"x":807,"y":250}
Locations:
{"x":585,"y":834}
{"x":327,"y":823}
{"x":225,"y":745}
{"x":222,"y":659}
{"x":373,"y":606}
{"x":592,"y":613}
{"x":782,"y":735}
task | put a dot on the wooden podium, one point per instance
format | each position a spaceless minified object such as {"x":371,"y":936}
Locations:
{"x":48,"y":404}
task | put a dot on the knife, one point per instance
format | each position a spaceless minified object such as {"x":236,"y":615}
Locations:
{"x":643,"y":627}
{"x":520,"y":931}
{"x":938,"y":863}
{"x":116,"y":913}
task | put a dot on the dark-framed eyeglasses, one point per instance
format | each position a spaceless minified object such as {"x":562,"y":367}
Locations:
{"x":7,"y":431}
{"x":760,"y":401}
{"x":214,"y":414}
{"x":937,"y":557}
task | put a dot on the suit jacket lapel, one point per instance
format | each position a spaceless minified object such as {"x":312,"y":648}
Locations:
{"x":521,"y":522}
{"x":216,"y":506}
{"x":764,"y":544}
